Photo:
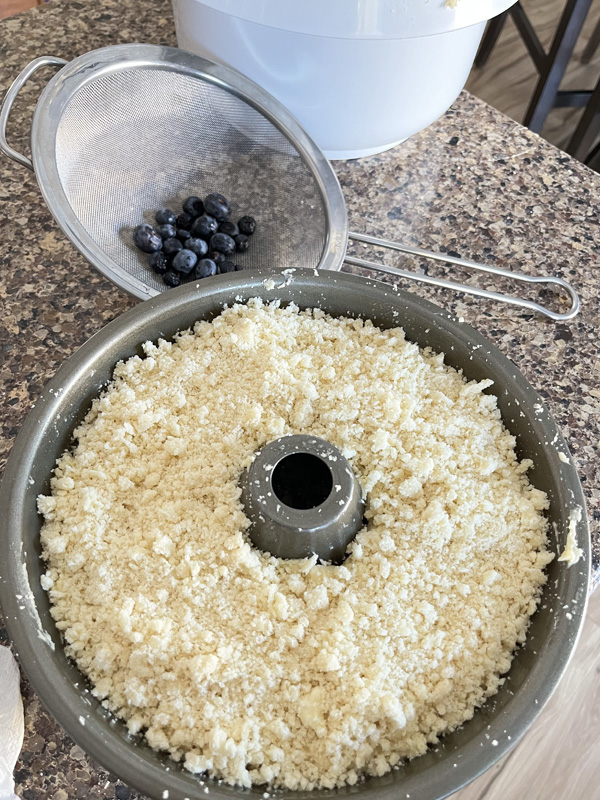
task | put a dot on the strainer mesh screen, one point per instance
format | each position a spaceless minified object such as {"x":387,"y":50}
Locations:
{"x":140,"y":139}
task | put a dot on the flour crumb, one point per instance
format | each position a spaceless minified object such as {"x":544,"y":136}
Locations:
{"x":572,"y":553}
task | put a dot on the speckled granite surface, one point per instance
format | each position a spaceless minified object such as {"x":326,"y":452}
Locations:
{"x":474,"y":183}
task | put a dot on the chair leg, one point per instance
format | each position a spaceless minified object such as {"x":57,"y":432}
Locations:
{"x":592,"y":45}
{"x":529,"y":36}
{"x":568,"y":30}
{"x":588,"y":129}
{"x":593,"y":160}
{"x":490,"y":38}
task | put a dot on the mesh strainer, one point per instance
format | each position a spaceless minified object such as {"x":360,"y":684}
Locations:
{"x":122,"y":131}
{"x":125,"y":130}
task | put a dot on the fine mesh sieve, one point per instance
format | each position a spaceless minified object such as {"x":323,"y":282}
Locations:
{"x":202,"y":139}
{"x":125,"y":130}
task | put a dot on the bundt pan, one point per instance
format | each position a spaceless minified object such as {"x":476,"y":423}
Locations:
{"x":462,"y":755}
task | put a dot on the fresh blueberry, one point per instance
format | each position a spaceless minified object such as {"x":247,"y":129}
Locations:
{"x":238,"y":267}
{"x":183,"y":235}
{"x":193,"y":206}
{"x":226,"y":266}
{"x":247,"y":225}
{"x":242,"y":243}
{"x":159,"y":262}
{"x":172,"y":246}
{"x":204,"y":227}
{"x":184,"y":221}
{"x":197,"y":246}
{"x":147,"y":239}
{"x":165,"y":217}
{"x":230,"y":228}
{"x":205,"y":268}
{"x":184,"y":261}
{"x":172,"y":278}
{"x":217,"y":206}
{"x":215,"y":256}
{"x":222,"y":243}
{"x":166,"y":231}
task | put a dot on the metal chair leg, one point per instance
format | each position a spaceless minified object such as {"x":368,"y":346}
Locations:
{"x":568,"y":30}
{"x":592,"y":45}
{"x":593,"y":160}
{"x":588,"y":129}
{"x":490,"y":38}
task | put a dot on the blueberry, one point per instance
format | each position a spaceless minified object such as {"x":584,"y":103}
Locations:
{"x":159,"y":262}
{"x":226,"y":266}
{"x":247,"y":225}
{"x":147,"y":239}
{"x":183,"y":235}
{"x":215,"y":256}
{"x":184,"y":221}
{"x":193,"y":206}
{"x":184,"y":261}
{"x":197,"y":246}
{"x":222,"y":243}
{"x":205,"y":268}
{"x":172,"y":246}
{"x":238,"y":267}
{"x":217,"y":206}
{"x":204,"y":227}
{"x":165,"y":217}
{"x":230,"y":228}
{"x":172,"y":278}
{"x":166,"y":231}
{"x":242,"y":243}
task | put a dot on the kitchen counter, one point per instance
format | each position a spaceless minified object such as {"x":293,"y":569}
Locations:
{"x":474,"y":183}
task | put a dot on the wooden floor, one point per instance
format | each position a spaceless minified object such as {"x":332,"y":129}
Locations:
{"x":508,"y":79}
{"x":559,"y":758}
{"x":10,"y":7}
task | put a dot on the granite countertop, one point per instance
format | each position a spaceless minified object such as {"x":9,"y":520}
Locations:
{"x":474,"y":183}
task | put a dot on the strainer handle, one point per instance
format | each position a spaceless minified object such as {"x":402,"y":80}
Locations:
{"x":9,"y":99}
{"x":461,"y":287}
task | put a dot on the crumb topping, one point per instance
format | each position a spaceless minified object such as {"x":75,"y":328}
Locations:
{"x":292,"y":673}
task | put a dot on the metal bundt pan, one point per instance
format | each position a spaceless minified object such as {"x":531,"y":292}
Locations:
{"x":46,"y":433}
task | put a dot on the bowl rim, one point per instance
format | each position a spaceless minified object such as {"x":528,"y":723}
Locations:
{"x":72,"y":705}
{"x":359,"y":21}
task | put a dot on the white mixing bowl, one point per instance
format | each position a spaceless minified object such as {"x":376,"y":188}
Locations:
{"x":359,"y":75}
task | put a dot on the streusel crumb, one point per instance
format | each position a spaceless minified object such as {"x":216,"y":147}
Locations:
{"x":292,"y":673}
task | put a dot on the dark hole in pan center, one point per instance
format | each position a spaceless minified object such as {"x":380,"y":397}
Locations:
{"x":302,"y":480}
